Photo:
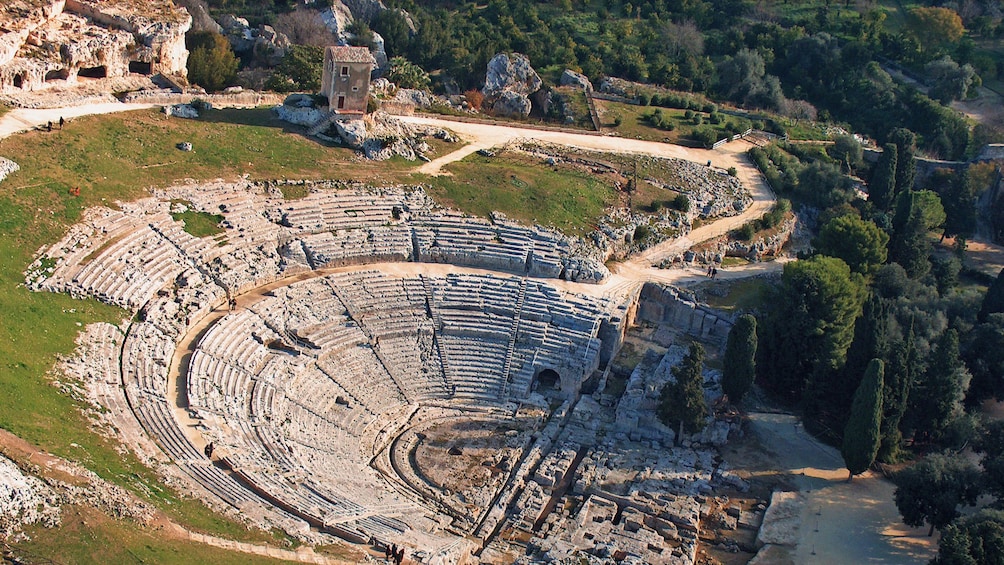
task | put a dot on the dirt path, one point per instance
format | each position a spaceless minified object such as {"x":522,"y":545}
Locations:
{"x":841,"y":522}
{"x":24,"y":119}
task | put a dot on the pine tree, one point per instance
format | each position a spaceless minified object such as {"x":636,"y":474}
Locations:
{"x":681,"y":403}
{"x":882,"y":186}
{"x":862,"y":434}
{"x":739,"y":363}
{"x":809,"y":328}
{"x":993,"y":301}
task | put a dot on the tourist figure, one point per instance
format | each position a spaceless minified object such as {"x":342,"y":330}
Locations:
{"x":709,"y":271}
{"x":714,"y":272}
{"x":61,"y":122}
{"x":399,"y":556}
{"x":48,"y":126}
{"x":209,"y":450}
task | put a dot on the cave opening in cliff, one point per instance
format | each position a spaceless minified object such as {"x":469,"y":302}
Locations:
{"x":58,"y":74}
{"x":140,"y":68}
{"x":93,"y":72}
{"x":19,"y":80}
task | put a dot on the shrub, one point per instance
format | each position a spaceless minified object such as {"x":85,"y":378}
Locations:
{"x":641,"y":232}
{"x":211,"y":62}
{"x":733,"y":172}
{"x":682,"y":203}
{"x":745,"y":232}
{"x":644,"y":99}
{"x":475,"y":98}
{"x":689,"y":114}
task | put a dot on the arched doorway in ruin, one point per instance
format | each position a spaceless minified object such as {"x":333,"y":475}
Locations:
{"x":547,"y":380}
{"x":19,"y":80}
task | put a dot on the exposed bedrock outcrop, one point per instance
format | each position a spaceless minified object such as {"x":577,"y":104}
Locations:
{"x":509,"y":82}
{"x":46,"y":41}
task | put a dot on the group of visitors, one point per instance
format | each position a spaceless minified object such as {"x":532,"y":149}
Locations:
{"x":394,"y":552}
{"x":62,"y":122}
{"x":712,"y":272}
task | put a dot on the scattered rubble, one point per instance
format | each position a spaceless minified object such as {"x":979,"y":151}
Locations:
{"x":24,"y":500}
{"x":7,"y":167}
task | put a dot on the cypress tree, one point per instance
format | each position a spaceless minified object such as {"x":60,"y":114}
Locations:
{"x":882,"y":186}
{"x":993,"y":301}
{"x":906,"y":168}
{"x":959,"y":200}
{"x":870,"y":342}
{"x":940,"y":390}
{"x":739,"y":362}
{"x":899,"y":377}
{"x":861,"y":436}
{"x":909,"y":245}
{"x":681,"y":403}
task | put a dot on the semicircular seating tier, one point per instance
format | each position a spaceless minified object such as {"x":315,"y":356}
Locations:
{"x":299,"y":389}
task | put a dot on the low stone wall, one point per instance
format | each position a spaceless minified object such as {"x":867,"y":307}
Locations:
{"x":246,"y":99}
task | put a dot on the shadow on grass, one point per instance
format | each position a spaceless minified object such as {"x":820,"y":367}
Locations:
{"x":259,"y":117}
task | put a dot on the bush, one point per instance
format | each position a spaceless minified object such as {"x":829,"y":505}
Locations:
{"x":211,"y":62}
{"x":682,"y":203}
{"x":733,"y":172}
{"x":745,"y":232}
{"x":689,"y":114}
{"x":641,"y":232}
{"x":475,"y":98}
{"x":299,"y":70}
{"x":406,"y":74}
{"x":643,"y":99}
{"x":618,"y":121}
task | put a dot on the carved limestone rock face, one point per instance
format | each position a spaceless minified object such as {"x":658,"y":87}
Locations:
{"x":47,"y":41}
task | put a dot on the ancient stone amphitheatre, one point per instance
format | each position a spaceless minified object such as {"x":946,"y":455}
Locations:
{"x":392,"y":373}
{"x":369,"y":367}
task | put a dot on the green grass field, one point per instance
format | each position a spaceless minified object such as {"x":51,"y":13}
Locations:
{"x":743,"y":296}
{"x":634,"y":125}
{"x":567,"y":200}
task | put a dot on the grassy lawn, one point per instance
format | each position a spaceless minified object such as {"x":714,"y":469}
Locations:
{"x":567,"y":200}
{"x":198,"y":224}
{"x":88,"y":536}
{"x":633,"y":123}
{"x":743,"y":295}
